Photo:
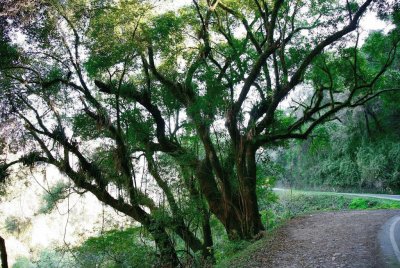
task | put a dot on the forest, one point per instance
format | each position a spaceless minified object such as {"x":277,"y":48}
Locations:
{"x":182,"y":116}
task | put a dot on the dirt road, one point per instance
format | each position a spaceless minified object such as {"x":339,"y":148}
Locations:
{"x":332,"y":239}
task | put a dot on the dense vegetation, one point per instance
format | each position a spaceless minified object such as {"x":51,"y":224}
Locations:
{"x":130,"y":247}
{"x":358,"y":152}
{"x":168,"y":116}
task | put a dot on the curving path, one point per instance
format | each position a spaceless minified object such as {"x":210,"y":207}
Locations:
{"x":332,"y":239}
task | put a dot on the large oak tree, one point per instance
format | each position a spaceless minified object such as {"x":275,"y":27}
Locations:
{"x":110,"y":92}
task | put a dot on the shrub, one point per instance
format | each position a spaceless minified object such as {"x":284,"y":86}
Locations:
{"x":116,"y":249}
{"x":358,"y":203}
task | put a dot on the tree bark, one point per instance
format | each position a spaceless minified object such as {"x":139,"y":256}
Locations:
{"x":3,"y":253}
{"x":208,"y":251}
{"x":249,"y":194}
{"x":238,"y":212}
{"x":168,"y":257}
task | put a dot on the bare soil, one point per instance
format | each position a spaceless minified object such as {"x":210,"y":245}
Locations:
{"x":331,"y":239}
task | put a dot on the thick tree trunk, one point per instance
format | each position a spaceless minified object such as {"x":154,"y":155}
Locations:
{"x":242,"y":221}
{"x":249,"y":218}
{"x":251,"y":224}
{"x":248,"y":182}
{"x":233,"y":200}
{"x":238,"y":212}
{"x":3,"y":253}
{"x":168,"y":257}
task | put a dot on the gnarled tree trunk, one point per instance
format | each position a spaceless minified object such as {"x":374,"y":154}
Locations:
{"x":237,"y":209}
{"x":245,"y":221}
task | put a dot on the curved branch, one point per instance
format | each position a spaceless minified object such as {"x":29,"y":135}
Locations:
{"x":297,"y":76}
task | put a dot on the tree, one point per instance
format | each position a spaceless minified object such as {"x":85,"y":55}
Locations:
{"x":106,"y":89}
{"x":3,"y":253}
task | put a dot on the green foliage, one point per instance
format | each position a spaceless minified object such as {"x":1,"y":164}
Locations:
{"x":356,"y":153}
{"x":12,"y":224}
{"x":113,"y":32}
{"x":16,"y":225}
{"x":264,"y":188}
{"x":116,"y":249}
{"x":322,"y":139}
{"x":85,"y":126}
{"x":283,"y":120}
{"x":48,"y":258}
{"x":230,"y":248}
{"x":139,"y":128}
{"x":30,"y":159}
{"x":53,"y":196}
{"x":396,"y":14}
{"x":54,"y":259}
{"x":359,"y":203}
{"x":23,"y":262}
{"x":54,"y":88}
{"x":242,"y":257}
{"x":296,"y":203}
{"x":171,"y":78}
{"x":166,"y":31}
{"x":269,"y":219}
{"x":8,"y":52}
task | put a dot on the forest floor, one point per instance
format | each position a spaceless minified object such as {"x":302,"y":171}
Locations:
{"x":329,"y":239}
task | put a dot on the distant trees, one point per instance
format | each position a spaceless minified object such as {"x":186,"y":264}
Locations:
{"x":119,"y":97}
{"x":359,"y":149}
{"x":359,"y":152}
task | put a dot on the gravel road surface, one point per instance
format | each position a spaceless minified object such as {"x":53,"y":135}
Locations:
{"x":331,"y":239}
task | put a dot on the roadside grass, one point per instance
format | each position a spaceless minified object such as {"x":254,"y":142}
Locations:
{"x":300,"y":202}
{"x":244,"y":255}
{"x":292,"y":204}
